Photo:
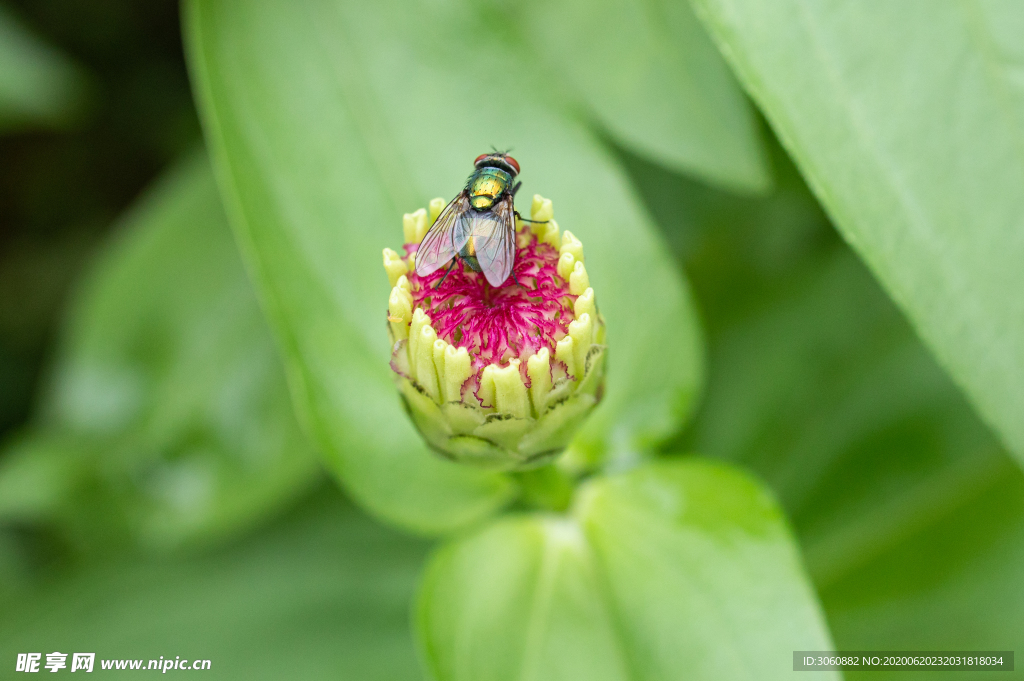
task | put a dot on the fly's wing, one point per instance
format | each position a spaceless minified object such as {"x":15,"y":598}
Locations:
{"x":494,"y":237}
{"x":446,"y":236}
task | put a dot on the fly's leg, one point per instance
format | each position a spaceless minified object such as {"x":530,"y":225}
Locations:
{"x":536,"y":222}
{"x":446,"y":273}
{"x":515,"y":188}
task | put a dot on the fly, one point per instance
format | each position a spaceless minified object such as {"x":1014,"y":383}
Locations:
{"x":479,"y":225}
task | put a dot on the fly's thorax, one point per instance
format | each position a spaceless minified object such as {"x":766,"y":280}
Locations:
{"x":486,"y":186}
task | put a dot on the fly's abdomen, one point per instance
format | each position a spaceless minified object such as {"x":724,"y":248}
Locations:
{"x":486,"y":186}
{"x":468,"y":255}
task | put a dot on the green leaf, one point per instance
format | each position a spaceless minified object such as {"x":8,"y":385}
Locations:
{"x":649,"y":74}
{"x":323,"y":594}
{"x":908,"y":121}
{"x":879,"y":461}
{"x":329,"y":121}
{"x":681,"y":569}
{"x":38,"y":84}
{"x":908,"y":512}
{"x":168,"y":394}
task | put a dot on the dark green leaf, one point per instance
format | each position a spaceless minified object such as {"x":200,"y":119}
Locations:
{"x":947,"y":576}
{"x":907,"y":118}
{"x":330,"y":119}
{"x":674,"y":570}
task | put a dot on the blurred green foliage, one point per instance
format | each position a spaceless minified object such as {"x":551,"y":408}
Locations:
{"x":618,"y":60}
{"x":167,"y":410}
{"x":909,"y":512}
{"x":38,"y":85}
{"x":321,"y":593}
{"x":165,"y":422}
{"x":62,"y":188}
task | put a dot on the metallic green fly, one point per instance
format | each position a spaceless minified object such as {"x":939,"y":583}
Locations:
{"x":479,"y":225}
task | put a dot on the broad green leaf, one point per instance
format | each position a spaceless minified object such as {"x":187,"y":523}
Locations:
{"x":168,"y":401}
{"x":908,"y":512}
{"x":879,"y":461}
{"x":648,"y":73}
{"x":681,"y":569}
{"x":330,"y":119}
{"x":38,"y":84}
{"x":907,"y":118}
{"x":321,"y":595}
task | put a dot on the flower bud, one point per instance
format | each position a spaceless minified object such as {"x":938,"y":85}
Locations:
{"x":500,"y":377}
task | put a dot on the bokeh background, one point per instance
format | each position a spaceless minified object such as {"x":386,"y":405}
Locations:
{"x":909,"y":513}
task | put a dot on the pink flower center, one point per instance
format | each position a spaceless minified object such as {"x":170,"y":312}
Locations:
{"x":498,"y":324}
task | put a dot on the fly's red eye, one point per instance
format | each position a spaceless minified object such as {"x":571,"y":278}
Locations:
{"x":480,"y":158}
{"x":512,"y":162}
